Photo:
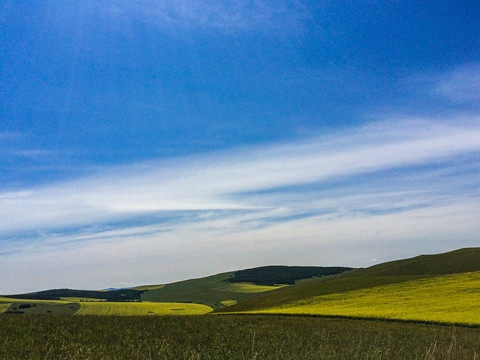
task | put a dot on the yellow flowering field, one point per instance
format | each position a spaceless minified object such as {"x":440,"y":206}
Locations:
{"x":4,"y":307}
{"x":228,"y":302}
{"x":248,"y":288}
{"x":141,"y":308}
{"x":451,"y":298}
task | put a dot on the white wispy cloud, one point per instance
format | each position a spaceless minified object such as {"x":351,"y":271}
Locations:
{"x":33,"y":153}
{"x":11,"y":135}
{"x":225,"y":16}
{"x":209,"y":182}
{"x":396,"y":181}
{"x":461,"y":85}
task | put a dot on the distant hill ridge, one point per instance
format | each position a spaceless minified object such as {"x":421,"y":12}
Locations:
{"x":453,"y":262}
{"x":107,"y":295}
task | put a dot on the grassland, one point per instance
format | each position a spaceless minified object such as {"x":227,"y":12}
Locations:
{"x":450,"y":299}
{"x":229,"y":337}
{"x":27,"y":306}
{"x":43,"y":308}
{"x":140,"y":309}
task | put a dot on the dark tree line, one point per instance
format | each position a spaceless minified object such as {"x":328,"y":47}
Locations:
{"x":273,"y":275}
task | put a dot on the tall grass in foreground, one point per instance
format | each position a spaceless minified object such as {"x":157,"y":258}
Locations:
{"x":229,"y":337}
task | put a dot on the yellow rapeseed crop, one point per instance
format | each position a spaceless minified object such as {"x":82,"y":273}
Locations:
{"x":247,"y":288}
{"x":4,"y":307}
{"x":228,"y":302}
{"x":141,"y":308}
{"x":451,"y":299}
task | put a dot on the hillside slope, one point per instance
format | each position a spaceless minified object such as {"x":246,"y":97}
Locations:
{"x":445,"y":298}
{"x":214,"y":291}
{"x":210,"y":291}
{"x":226,"y":289}
{"x":423,"y":266}
{"x":453,"y":262}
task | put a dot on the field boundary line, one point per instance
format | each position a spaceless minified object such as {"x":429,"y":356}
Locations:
{"x":406,"y":321}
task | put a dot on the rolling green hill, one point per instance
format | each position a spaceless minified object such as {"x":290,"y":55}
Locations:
{"x":453,"y":262}
{"x":424,"y":266}
{"x":214,"y":291}
{"x":221,"y":290}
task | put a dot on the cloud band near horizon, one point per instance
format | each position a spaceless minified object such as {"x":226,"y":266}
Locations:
{"x":334,"y":188}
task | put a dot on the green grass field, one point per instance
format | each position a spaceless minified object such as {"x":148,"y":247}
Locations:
{"x":24,"y":306}
{"x":141,"y":308}
{"x":229,"y":337}
{"x":43,"y":308}
{"x":450,"y":299}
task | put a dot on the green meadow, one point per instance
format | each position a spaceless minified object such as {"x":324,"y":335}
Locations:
{"x":225,"y":337}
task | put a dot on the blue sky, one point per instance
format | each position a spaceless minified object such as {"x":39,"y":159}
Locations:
{"x":151,"y":141}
